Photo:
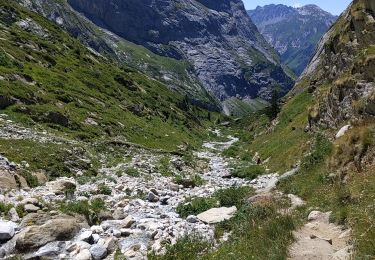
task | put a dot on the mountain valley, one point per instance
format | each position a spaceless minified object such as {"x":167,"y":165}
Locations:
{"x":163,"y":129}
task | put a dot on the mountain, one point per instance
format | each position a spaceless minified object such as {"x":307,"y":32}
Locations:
{"x":220,"y":45}
{"x":50,"y":79}
{"x":293,"y":32}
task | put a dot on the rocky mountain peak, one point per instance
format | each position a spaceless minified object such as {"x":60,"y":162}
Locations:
{"x":293,"y":32}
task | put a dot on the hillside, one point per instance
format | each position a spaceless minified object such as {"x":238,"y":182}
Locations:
{"x":326,"y":128}
{"x":207,"y":36}
{"x":49,"y":78}
{"x":293,"y":32}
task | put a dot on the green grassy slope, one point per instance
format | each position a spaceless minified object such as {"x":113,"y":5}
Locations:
{"x":49,"y":78}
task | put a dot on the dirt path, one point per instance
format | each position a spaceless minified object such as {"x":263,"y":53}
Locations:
{"x":319,"y":239}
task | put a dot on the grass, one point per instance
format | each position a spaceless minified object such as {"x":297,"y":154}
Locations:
{"x":163,"y":166}
{"x":196,"y":206}
{"x":258,"y":231}
{"x":190,"y":182}
{"x":222,"y":198}
{"x":51,"y":85}
{"x":247,"y":171}
{"x":104,"y":189}
{"x":89,"y":210}
{"x":133,"y":172}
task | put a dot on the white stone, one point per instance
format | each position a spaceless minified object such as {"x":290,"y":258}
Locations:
{"x":6,"y":230}
{"x":83,"y":255}
{"x":216,"y":215}
{"x":85,"y":236}
{"x":342,"y":131}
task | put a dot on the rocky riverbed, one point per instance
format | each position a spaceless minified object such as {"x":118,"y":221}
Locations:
{"x":140,"y":210}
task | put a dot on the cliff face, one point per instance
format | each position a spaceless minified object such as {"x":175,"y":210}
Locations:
{"x":293,"y":32}
{"x":341,"y":75}
{"x":226,"y":51}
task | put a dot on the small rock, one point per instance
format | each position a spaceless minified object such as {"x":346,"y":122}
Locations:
{"x":314,"y":215}
{"x":95,"y":238}
{"x":116,"y":233}
{"x":86,"y":236}
{"x":192,"y":219}
{"x":83,"y":255}
{"x":13,"y":215}
{"x":98,"y":252}
{"x":151,"y":197}
{"x":128,"y":221}
{"x":342,"y":131}
{"x":30,"y":208}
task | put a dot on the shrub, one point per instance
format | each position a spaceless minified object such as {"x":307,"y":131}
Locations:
{"x":133,"y":172}
{"x":163,"y":166}
{"x":195,"y":206}
{"x":193,"y":181}
{"x":248,"y":172}
{"x":104,"y":189}
{"x":4,"y":208}
{"x":89,"y":210}
{"x":233,"y":196}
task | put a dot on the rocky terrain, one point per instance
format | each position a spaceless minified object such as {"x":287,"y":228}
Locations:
{"x":138,"y":212}
{"x":227,"y":54}
{"x":293,"y":32}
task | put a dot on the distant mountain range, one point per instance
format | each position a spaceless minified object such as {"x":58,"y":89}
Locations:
{"x":293,"y":32}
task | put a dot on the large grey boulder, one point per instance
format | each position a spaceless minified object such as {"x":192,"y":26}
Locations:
{"x":60,"y":229}
{"x":216,"y":215}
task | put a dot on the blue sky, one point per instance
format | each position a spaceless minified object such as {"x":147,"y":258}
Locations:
{"x":332,"y":6}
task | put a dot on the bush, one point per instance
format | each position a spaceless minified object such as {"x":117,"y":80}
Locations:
{"x":104,"y":189}
{"x":196,"y":206}
{"x":233,"y":196}
{"x":191,"y":182}
{"x":248,"y":172}
{"x":321,"y":149}
{"x":163,"y":166}
{"x":133,"y":172}
{"x":89,"y":210}
{"x":4,"y":208}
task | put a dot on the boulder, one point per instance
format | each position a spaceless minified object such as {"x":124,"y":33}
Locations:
{"x":7,"y":230}
{"x":61,"y":185}
{"x":7,"y":180}
{"x":98,"y":252}
{"x":216,"y":215}
{"x":61,"y":229}
{"x":41,"y":177}
{"x":30,"y":208}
